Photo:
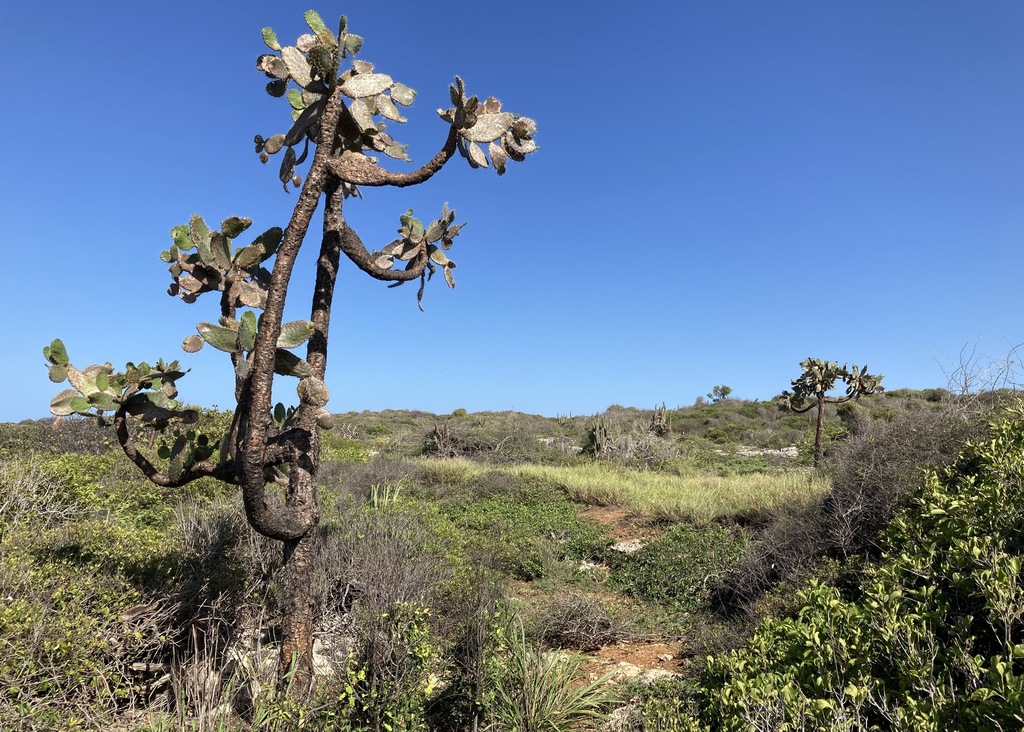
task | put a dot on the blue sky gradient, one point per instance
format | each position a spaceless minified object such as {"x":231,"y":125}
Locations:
{"x":723,"y":189}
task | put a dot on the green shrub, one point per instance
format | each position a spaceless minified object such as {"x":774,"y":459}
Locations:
{"x":728,"y":433}
{"x":75,"y":435}
{"x":393,"y":680}
{"x":663,"y":706}
{"x":343,"y":450}
{"x":111,"y":485}
{"x":931,"y":638}
{"x":527,"y":528}
{"x":678,"y":570}
{"x":61,"y":638}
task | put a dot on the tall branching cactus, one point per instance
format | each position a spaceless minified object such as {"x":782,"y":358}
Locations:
{"x":819,"y":377}
{"x":339,"y":107}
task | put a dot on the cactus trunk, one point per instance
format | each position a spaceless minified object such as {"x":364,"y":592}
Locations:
{"x":819,"y":430}
{"x":295,"y":672}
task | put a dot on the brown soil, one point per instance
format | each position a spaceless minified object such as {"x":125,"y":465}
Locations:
{"x":645,"y":654}
{"x":621,"y":526}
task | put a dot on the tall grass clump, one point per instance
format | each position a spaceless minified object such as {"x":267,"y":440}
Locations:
{"x":544,"y":691}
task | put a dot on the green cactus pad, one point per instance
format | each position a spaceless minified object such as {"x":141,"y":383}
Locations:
{"x":270,"y":38}
{"x":58,"y":373}
{"x":181,"y":238}
{"x":55,"y":353}
{"x":234,"y":225}
{"x":295,"y":333}
{"x":223,"y":339}
{"x":199,"y":233}
{"x":247,"y":331}
{"x":287,"y":363}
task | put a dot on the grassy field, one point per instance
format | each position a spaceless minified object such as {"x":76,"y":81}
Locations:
{"x":696,"y":497}
{"x":690,"y":495}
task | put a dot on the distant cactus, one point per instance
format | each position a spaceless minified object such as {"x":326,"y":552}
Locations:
{"x":659,"y":421}
{"x":811,"y":388}
{"x":338,"y":108}
{"x":597,"y":438}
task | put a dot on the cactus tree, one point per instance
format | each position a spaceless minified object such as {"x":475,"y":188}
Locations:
{"x":338,"y":108}
{"x":811,"y":389}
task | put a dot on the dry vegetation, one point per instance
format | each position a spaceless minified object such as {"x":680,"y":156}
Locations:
{"x":445,"y":583}
{"x":694,"y":496}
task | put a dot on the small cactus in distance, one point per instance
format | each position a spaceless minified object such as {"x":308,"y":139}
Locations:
{"x":659,"y":421}
{"x":597,"y":438}
{"x":810,"y":391}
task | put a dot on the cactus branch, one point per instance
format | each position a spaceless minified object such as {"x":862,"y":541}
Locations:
{"x":360,"y":170}
{"x":356,"y":251}
{"x":326,"y":276}
{"x":221,"y":471}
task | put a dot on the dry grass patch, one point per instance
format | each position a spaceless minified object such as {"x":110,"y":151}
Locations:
{"x":695,"y":497}
{"x":449,"y":471}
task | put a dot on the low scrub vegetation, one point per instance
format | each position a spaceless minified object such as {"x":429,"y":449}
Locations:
{"x":458,"y":593}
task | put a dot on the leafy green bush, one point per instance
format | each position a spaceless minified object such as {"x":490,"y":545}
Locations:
{"x":932,"y":637}
{"x":63,"y":647}
{"x":393,"y":678}
{"x":678,"y":570}
{"x":79,"y":436}
{"x":663,"y":706}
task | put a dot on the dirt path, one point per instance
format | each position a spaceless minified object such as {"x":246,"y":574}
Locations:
{"x":629,"y":659}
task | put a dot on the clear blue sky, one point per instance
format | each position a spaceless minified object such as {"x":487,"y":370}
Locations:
{"x":722,"y":190}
